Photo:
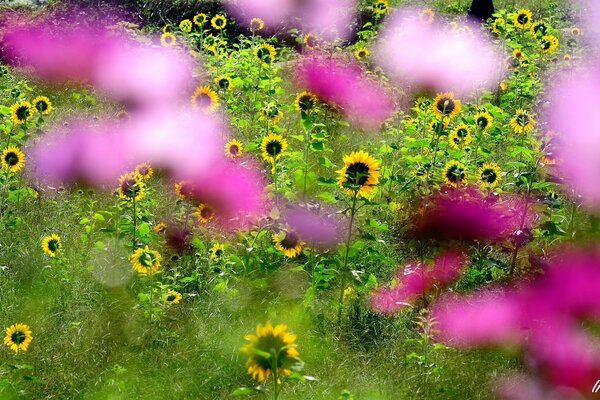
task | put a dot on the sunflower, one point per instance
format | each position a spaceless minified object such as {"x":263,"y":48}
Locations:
{"x":42,"y":104}
{"x":512,"y":63}
{"x":234,"y":148}
{"x":575,"y":31}
{"x":454,"y":173}
{"x":522,"y":122}
{"x":218,"y":22}
{"x":145,"y":260}
{"x":216,"y":252}
{"x":18,"y":337}
{"x":289,"y":243}
{"x":183,"y":189}
{"x":538,"y":28}
{"x":276,"y":341}
{"x":131,"y":186}
{"x":13,"y":159}
{"x":145,"y":170}
{"x":186,"y":26}
{"x":489,"y":174}
{"x":548,"y":43}
{"x":205,"y":99}
{"x":172,"y":297}
{"x":381,"y":7}
{"x":567,"y":57}
{"x":498,"y":26}
{"x":265,"y":53}
{"x":423,"y":103}
{"x":361,"y":53}
{"x":445,"y":105}
{"x":160,"y":227}
{"x":200,"y":19}
{"x":273,"y":146}
{"x":305,"y":101}
{"x":211,"y":49}
{"x":311,"y":41}
{"x":166,"y":28}
{"x":522,"y":19}
{"x":256,"y":24}
{"x":483,"y":120}
{"x":517,"y":53}
{"x":224,"y":82}
{"x":438,"y":127}
{"x":204,"y":213}
{"x":20,"y":112}
{"x":51,"y":244}
{"x":360,"y":173}
{"x":427,"y":15}
{"x":167,"y":39}
{"x":460,"y":136}
{"x":271,"y":113}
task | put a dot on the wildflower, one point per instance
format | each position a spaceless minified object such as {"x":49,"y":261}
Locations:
{"x":131,"y":186}
{"x":454,"y":173}
{"x":168,"y":39}
{"x":273,"y":146}
{"x":522,"y":19}
{"x":218,"y":22}
{"x":172,"y":297}
{"x":311,"y":41}
{"x":360,"y":173}
{"x":21,"y":112}
{"x":200,"y":19}
{"x":51,"y":244}
{"x":256,"y":24}
{"x":234,"y":148}
{"x":216,"y":252}
{"x":186,"y":26}
{"x":522,"y":122}
{"x":205,"y":99}
{"x":489,"y":175}
{"x":13,"y":159}
{"x":483,"y":120}
{"x":265,"y":53}
{"x":305,"y":101}
{"x":289,"y":243}
{"x":18,"y":337}
{"x":361,"y":53}
{"x":145,"y":260}
{"x":445,"y":105}
{"x":144,"y":170}
{"x":204,"y":213}
{"x":460,"y":136}
{"x":224,"y":82}
{"x":42,"y":104}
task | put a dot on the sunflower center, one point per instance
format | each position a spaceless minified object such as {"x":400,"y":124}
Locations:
{"x":306,"y":102}
{"x":11,"y":159}
{"x":522,"y":19}
{"x":274,"y":147}
{"x":23,"y":113}
{"x":488,"y":175}
{"x":446,"y":106}
{"x":290,"y":240}
{"x":171,"y":297}
{"x":234,"y":149}
{"x":455,"y":174}
{"x":462,"y":133}
{"x":220,"y":22}
{"x":204,"y":100}
{"x":522,"y":119}
{"x":311,"y":41}
{"x":130,"y":187}
{"x":269,"y":343}
{"x":218,"y":253}
{"x":169,"y":39}
{"x":18,"y":337}
{"x":482,"y":122}
{"x":41,"y":106}
{"x":357,"y":173}
{"x":206,"y":212}
{"x":53,"y":245}
{"x":541,"y":28}
{"x":223,"y":83}
{"x":147,"y":259}
{"x":264,"y":55}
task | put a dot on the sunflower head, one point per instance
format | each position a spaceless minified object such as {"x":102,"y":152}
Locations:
{"x":42,"y":104}
{"x":223,"y":82}
{"x":234,"y":148}
{"x":18,"y":337}
{"x":427,"y":15}
{"x":273,"y":146}
{"x":538,"y":29}
{"x":381,"y":7}
{"x":575,"y":31}
{"x":361,"y":53}
{"x":277,"y":342}
{"x":216,"y":252}
{"x":51,"y":244}
{"x":21,"y":112}
{"x":186,"y":26}
{"x":184,"y":189}
{"x":131,"y":186}
{"x":172,"y":297}
{"x":483,"y":120}
{"x":360,"y":173}
{"x":311,"y":41}
{"x":219,"y":22}
{"x":200,"y":19}
{"x":204,"y":213}
{"x":289,"y":243}
{"x":517,"y":53}
{"x":305,"y":102}
{"x":498,"y":26}
{"x":548,"y":43}
{"x":205,"y":99}
{"x":522,"y":122}
{"x":160,"y":227}
{"x":265,"y":53}
{"x":144,"y":170}
{"x":489,"y":175}
{"x":271,"y":113}
{"x":522,"y":19}
{"x":168,"y":39}
{"x":256,"y":24}
{"x":460,"y":136}
{"x":13,"y":159}
{"x":454,"y":173}
{"x":3,"y":70}
{"x":145,"y":260}
{"x":445,"y":105}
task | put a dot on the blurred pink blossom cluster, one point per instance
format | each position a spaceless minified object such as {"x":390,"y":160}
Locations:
{"x":543,"y":317}
{"x":320,"y":229}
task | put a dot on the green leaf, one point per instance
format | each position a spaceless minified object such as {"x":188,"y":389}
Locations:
{"x":242,"y":391}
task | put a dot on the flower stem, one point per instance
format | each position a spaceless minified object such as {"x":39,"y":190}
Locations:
{"x":343,"y":271}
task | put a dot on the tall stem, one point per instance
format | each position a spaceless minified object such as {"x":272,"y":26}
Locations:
{"x":346,"y":256}
{"x":134,"y":222}
{"x":274,"y":362}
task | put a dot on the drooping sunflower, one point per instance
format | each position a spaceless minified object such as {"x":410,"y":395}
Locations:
{"x":538,"y":29}
{"x":234,"y":148}
{"x":168,"y":39}
{"x":224,"y":82}
{"x":483,"y":120}
{"x":21,"y":112}
{"x":454,"y":173}
{"x":548,"y":43}
{"x":205,"y":99}
{"x":498,"y":26}
{"x":256,"y":24}
{"x":172,"y":297}
{"x":427,"y":15}
{"x":381,"y":7}
{"x":218,"y":22}
{"x":522,"y":122}
{"x":460,"y":136}
{"x":51,"y":244}
{"x":145,"y":260}
{"x":183,"y":189}
{"x":18,"y":337}
{"x":160,"y":227}
{"x":311,"y":41}
{"x":305,"y":101}
{"x":13,"y":159}
{"x":42,"y":104}
{"x":289,"y":243}
{"x":423,"y":103}
{"x":360,"y":173}
{"x":216,"y":252}
{"x":145,"y":170}
{"x":445,"y":105}
{"x":273,"y":146}
{"x":265,"y":53}
{"x":186,"y":26}
{"x":131,"y":186}
{"x":200,"y":19}
{"x":271,"y":113}
{"x":490,"y":175}
{"x":361,"y":53}
{"x":522,"y":19}
{"x":271,"y":340}
{"x":204,"y":213}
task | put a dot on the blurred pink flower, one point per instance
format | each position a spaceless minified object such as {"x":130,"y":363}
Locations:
{"x":344,"y":85}
{"x":314,"y":226}
{"x":435,"y":56}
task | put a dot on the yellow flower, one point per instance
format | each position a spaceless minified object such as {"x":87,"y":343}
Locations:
{"x":216,"y":252}
{"x":204,"y":213}
{"x":21,"y":112}
{"x":311,"y":41}
{"x":234,"y":148}
{"x":517,"y":53}
{"x":131,"y":186}
{"x":490,"y":175}
{"x":360,"y":173}
{"x":167,"y":39}
{"x":454,"y":173}
{"x":145,"y":260}
{"x":538,"y":29}
{"x":381,"y":7}
{"x":218,"y":22}
{"x":271,"y":340}
{"x":484,"y":120}
{"x":183,"y":189}
{"x":575,"y":31}
{"x":199,"y":19}
{"x":42,"y":104}
{"x":224,"y":82}
{"x":256,"y":24}
{"x":186,"y":26}
{"x":160,"y":227}
{"x":273,"y":146}
{"x":18,"y":337}
{"x":305,"y":101}
{"x":522,"y":122}
{"x":205,"y":99}
{"x":289,"y":243}
{"x":13,"y":159}
{"x":145,"y":170}
{"x":445,"y":105}
{"x":498,"y":26}
{"x":548,"y":43}
{"x":460,"y":136}
{"x":427,"y":15}
{"x":271,"y":113}
{"x":51,"y":244}
{"x":361,"y":53}
{"x":172,"y":297}
{"x":522,"y":19}
{"x":265,"y":53}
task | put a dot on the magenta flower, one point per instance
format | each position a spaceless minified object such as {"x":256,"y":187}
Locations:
{"x":314,"y":226}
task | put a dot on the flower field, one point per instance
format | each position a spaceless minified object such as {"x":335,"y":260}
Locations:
{"x":283,"y":199}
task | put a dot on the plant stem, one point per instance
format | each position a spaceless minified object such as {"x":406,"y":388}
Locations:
{"x":346,"y":256}
{"x":134,"y":223}
{"x":274,"y":362}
